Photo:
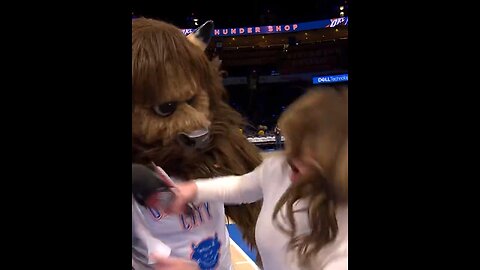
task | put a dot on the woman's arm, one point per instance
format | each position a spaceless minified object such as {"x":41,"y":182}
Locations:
{"x":228,"y":189}
{"x":231,"y":189}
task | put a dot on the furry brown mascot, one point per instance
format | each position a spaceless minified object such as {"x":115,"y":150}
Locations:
{"x":181,"y":119}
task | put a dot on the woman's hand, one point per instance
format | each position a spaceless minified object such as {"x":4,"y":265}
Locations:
{"x":184,"y":193}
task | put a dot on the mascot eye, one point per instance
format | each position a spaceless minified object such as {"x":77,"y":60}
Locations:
{"x":165,"y":109}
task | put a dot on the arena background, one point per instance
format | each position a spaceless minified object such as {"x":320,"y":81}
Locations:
{"x":271,"y":54}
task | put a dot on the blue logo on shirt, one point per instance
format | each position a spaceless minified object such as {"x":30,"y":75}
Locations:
{"x":207,"y":253}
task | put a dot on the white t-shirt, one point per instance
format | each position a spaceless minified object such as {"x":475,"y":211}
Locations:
{"x":202,"y":237}
{"x":270,"y":180}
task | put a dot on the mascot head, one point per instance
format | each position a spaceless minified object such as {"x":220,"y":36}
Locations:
{"x":174,"y":87}
{"x":181,"y":120}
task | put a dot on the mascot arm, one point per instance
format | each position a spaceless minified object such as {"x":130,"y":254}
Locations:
{"x":246,"y":188}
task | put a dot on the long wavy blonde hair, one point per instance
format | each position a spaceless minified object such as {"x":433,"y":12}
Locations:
{"x":316,"y":125}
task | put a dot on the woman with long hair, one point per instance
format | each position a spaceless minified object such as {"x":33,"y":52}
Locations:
{"x":303,"y":223}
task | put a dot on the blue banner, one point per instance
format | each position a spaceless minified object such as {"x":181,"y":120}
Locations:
{"x":275,"y":29}
{"x":330,"y":79}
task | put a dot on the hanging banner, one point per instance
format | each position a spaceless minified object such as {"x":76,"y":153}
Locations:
{"x":275,"y":29}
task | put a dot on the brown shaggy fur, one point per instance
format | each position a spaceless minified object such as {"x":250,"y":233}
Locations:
{"x":166,"y":67}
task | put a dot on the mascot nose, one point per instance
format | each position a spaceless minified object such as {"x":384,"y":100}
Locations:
{"x":197,"y":139}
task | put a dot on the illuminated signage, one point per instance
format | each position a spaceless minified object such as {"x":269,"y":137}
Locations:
{"x":330,"y":79}
{"x":187,"y":31}
{"x":274,"y":29}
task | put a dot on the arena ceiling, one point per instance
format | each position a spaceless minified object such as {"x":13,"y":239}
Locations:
{"x":238,"y":13}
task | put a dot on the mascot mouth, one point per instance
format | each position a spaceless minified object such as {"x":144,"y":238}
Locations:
{"x":198,"y":139}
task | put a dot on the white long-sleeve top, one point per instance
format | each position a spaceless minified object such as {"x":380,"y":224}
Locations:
{"x":270,"y":180}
